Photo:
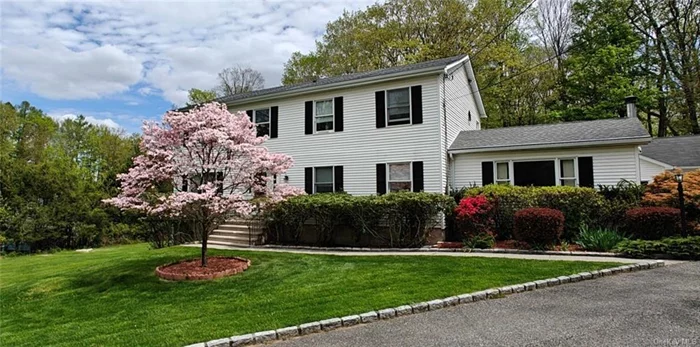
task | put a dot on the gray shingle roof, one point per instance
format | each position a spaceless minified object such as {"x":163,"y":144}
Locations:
{"x":439,"y":63}
{"x":551,"y":134}
{"x":680,"y":151}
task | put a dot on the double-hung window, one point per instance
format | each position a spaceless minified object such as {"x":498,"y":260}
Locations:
{"x":400,"y":178}
{"x":324,"y":115}
{"x":503,"y":173}
{"x":567,"y":172}
{"x":398,"y":106}
{"x":262,"y":121}
{"x":323,"y":179}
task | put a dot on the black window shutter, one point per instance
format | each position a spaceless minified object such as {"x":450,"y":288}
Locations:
{"x":381,"y":179}
{"x":585,"y":172}
{"x":220,"y":185}
{"x":486,"y":172}
{"x":379,"y":101}
{"x":417,"y":176}
{"x":250,"y":114}
{"x":338,"y":179}
{"x":309,"y":180}
{"x":338,"y":111}
{"x":274,"y":115}
{"x":416,"y":105}
{"x":309,"y":118}
{"x":185,"y":186}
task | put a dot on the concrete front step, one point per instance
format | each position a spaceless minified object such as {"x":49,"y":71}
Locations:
{"x":241,"y":227}
{"x":236,"y":238}
{"x":234,"y":244}
{"x":236,"y":232}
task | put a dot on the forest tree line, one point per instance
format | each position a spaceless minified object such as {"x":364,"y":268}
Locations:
{"x":535,"y":61}
{"x":53,"y":176}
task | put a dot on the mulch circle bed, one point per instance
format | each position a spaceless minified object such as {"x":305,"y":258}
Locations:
{"x":189,"y":270}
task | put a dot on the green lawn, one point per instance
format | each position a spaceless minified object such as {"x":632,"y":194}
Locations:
{"x":111,"y":296}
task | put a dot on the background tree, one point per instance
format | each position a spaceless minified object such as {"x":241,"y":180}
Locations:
{"x":238,"y":79}
{"x":198,"y":96}
{"x":211,"y":159}
{"x":53,"y":177}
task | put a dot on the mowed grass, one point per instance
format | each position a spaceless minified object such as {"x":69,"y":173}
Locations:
{"x":111,"y":296}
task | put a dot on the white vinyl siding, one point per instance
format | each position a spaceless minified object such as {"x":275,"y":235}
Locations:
{"x":650,"y":169}
{"x":610,"y":164}
{"x":459,"y":102}
{"x":361,"y":145}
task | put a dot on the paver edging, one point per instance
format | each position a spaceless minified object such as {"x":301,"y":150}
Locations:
{"x":429,"y":249}
{"x":389,"y":313}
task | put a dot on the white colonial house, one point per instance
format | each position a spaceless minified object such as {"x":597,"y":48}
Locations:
{"x":417,"y":127}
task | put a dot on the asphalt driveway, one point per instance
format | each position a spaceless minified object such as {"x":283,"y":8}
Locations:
{"x":659,"y":307}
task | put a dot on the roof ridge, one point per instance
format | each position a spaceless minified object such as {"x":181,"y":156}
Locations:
{"x":340,"y":78}
{"x":558,"y":123}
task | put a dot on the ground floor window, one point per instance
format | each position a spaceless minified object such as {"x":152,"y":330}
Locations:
{"x":400,"y":177}
{"x":323,"y":179}
{"x":538,"y":173}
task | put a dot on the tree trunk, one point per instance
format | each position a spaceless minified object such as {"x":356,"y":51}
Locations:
{"x":205,"y":236}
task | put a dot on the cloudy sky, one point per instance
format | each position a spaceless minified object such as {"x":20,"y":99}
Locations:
{"x":121,"y":62}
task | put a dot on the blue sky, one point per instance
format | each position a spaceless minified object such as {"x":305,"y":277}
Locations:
{"x":122,"y":62}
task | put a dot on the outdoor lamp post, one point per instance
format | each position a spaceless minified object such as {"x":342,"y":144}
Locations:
{"x":679,"y":179}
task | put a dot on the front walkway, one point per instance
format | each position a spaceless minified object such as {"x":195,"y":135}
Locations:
{"x":444,"y":254}
{"x":658,"y":307}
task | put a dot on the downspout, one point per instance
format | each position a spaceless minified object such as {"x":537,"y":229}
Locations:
{"x":444,"y":134}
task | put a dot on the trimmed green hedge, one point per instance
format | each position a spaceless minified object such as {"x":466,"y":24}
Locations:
{"x":672,"y":247}
{"x":398,"y":219}
{"x":579,"y":205}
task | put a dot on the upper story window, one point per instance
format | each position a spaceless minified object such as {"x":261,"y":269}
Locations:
{"x":399,"y":177}
{"x":262,"y":121}
{"x":324,"y":115}
{"x":398,"y":106}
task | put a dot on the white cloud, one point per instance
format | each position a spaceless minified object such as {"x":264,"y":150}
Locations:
{"x":59,"y":117}
{"x":88,"y":50}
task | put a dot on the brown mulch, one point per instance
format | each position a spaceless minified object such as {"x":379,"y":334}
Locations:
{"x":217,"y":267}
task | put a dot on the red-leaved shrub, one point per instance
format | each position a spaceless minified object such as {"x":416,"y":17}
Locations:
{"x":538,"y":226}
{"x":652,"y":223}
{"x":474,"y":216}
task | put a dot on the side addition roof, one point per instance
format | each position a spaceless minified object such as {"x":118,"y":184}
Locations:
{"x":571,"y":134}
{"x":677,"y":151}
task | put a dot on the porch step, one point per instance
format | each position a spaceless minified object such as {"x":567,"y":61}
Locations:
{"x":235,"y":232}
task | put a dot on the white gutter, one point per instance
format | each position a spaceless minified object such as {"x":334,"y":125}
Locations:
{"x":338,"y":85}
{"x":571,"y":144}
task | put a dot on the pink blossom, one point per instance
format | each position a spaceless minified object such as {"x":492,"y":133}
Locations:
{"x":213,"y":150}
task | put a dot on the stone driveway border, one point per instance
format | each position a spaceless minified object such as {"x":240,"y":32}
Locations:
{"x":309,"y":328}
{"x":350,"y":320}
{"x":287,"y":332}
{"x":242,"y":340}
{"x":368,"y":317}
{"x":330,"y":324}
{"x":264,"y":336}
{"x":403,"y":310}
{"x":387,"y":313}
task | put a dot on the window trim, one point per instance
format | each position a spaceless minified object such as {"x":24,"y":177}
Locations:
{"x":386,"y":107}
{"x":557,"y":169}
{"x":388,"y":174}
{"x":316,"y":131}
{"x":558,"y":174}
{"x":269,"y":119}
{"x":511,"y":177}
{"x":315,"y":191}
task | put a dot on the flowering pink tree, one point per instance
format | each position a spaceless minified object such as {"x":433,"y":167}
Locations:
{"x":213,"y":163}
